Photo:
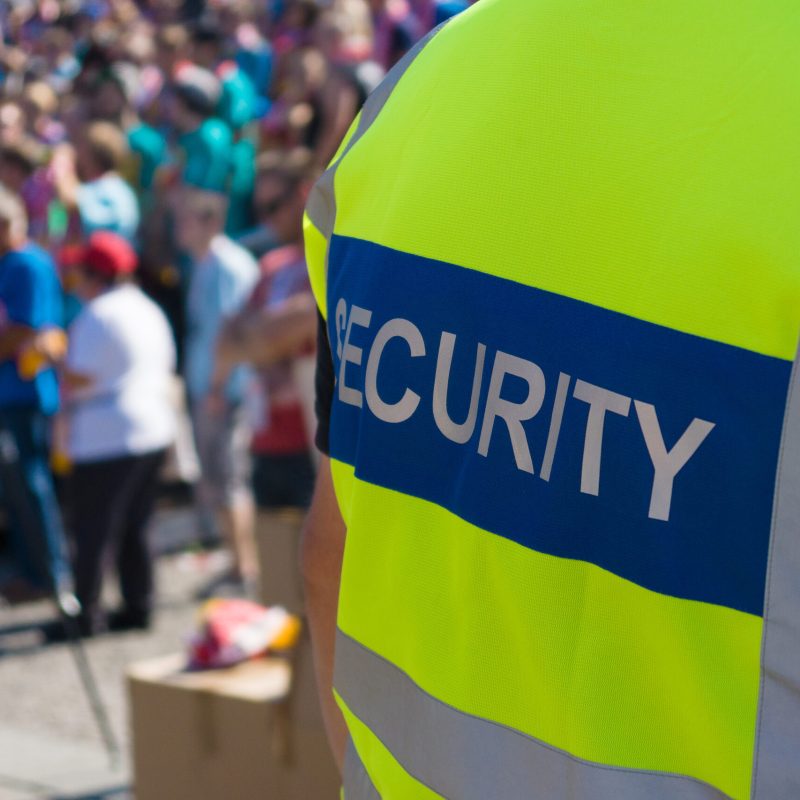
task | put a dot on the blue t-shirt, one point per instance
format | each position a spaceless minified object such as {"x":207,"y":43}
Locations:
{"x":30,"y":295}
{"x":257,"y":64}
{"x":219,"y":287}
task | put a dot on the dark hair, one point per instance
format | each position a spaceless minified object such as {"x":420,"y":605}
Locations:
{"x":207,"y":31}
{"x":25,"y":154}
{"x":294,"y":166}
{"x":195,"y":100}
{"x":103,"y":279}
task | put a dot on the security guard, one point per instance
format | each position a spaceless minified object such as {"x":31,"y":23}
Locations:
{"x":559,"y":262}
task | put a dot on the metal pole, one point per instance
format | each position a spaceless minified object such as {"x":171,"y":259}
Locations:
{"x":70,"y":609}
{"x":68,"y":606}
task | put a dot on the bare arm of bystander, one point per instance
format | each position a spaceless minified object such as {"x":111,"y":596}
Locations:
{"x":265,"y":336}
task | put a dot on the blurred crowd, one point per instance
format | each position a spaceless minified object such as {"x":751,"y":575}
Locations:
{"x":155,"y":159}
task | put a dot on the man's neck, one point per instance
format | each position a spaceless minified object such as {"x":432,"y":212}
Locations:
{"x":203,"y":252}
{"x":14,"y":246}
{"x":193,"y":125}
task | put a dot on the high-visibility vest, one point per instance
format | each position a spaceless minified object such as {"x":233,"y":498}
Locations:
{"x":559,"y":260}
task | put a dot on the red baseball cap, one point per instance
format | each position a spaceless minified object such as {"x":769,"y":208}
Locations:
{"x":70,"y":256}
{"x":109,"y":254}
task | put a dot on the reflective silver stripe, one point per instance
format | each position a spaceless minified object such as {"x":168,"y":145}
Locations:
{"x":776,"y":770}
{"x":357,"y":783}
{"x":321,"y":204}
{"x":462,"y":757}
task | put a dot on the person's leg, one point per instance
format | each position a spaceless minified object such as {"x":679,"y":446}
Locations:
{"x":206,"y":488}
{"x":238,"y":519}
{"x":29,"y":493}
{"x":134,"y":559}
{"x":97,"y":497}
{"x":223,"y":445}
{"x":238,"y":515}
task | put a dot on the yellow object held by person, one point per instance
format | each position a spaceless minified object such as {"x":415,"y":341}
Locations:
{"x":47,"y":348}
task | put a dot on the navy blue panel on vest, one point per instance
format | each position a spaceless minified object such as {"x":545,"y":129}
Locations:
{"x":710,"y":545}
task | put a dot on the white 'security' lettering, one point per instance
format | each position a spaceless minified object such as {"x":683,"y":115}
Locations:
{"x":404,"y":408}
{"x":600,"y":401}
{"x":513,"y":414}
{"x":667,"y":464}
{"x":460,"y":434}
{"x":350,"y":354}
{"x":556,"y":418}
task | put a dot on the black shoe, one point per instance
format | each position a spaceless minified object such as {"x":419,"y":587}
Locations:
{"x":126,"y":620}
{"x":228,"y":585}
{"x":65,"y":629}
{"x":17,"y":591}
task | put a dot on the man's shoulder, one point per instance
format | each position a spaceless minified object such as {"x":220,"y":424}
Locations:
{"x":145,"y":136}
{"x":232,"y":258}
{"x":144,"y":308}
{"x":30,"y":259}
{"x":126,"y":309}
{"x":88,"y":322}
{"x":288,"y":256}
{"x":214,"y":131}
{"x":100,"y":312}
{"x":115,"y":185}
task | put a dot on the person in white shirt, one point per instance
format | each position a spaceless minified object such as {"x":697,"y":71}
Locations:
{"x":119,"y":369}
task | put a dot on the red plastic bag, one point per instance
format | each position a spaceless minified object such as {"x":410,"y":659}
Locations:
{"x":232,"y":631}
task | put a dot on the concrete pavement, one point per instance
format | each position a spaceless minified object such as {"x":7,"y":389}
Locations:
{"x":50,"y":748}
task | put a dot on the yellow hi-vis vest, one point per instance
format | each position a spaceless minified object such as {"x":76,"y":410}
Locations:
{"x":559,"y":259}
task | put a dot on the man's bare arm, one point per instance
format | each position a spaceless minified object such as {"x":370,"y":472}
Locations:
{"x":75,"y":381}
{"x":265,"y":336}
{"x":322,"y":553}
{"x":271,"y":335}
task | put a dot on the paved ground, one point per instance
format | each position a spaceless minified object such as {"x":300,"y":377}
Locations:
{"x":49,"y":743}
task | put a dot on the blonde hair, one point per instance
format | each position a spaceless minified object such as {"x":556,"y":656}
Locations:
{"x":108,"y":146}
{"x":42,"y":96}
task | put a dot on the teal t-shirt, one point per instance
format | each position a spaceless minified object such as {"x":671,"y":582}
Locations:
{"x":240,"y":191}
{"x":238,"y":104}
{"x":151,"y":148}
{"x":207,"y":156}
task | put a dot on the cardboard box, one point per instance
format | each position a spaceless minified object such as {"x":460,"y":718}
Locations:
{"x":213,"y":734}
{"x":278,"y":540}
{"x":226,"y":733}
{"x":308,"y":742}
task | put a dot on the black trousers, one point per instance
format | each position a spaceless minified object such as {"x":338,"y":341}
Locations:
{"x":111,"y":503}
